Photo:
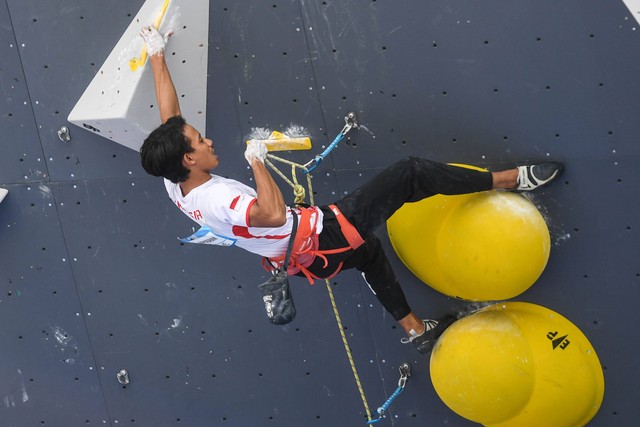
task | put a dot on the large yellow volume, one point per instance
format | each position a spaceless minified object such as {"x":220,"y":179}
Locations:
{"x":518,"y":365}
{"x":491,"y":245}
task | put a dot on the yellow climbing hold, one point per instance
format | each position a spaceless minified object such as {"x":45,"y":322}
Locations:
{"x":518,"y":364}
{"x":483,"y":246}
{"x":278,"y":141}
{"x":136,"y":62}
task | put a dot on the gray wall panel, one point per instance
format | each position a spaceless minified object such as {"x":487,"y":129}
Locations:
{"x":473,"y":81}
{"x":22,"y":159}
{"x":62,"y":46}
{"x":47,"y":357}
{"x":91,"y":270}
{"x":262,"y":69}
{"x":145,"y":294}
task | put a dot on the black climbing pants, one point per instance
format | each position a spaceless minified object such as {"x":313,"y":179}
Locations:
{"x":409,"y":180}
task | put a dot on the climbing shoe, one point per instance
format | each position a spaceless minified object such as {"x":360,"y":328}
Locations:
{"x":535,"y":176}
{"x":432,"y":330}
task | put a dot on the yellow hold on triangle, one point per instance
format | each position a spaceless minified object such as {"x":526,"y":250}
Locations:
{"x":135,"y":63}
{"x":485,"y":246}
{"x":518,"y":364}
{"x":278,"y":141}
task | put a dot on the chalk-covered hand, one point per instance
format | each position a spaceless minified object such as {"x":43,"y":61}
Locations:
{"x":154,"y":41}
{"x":256,"y":150}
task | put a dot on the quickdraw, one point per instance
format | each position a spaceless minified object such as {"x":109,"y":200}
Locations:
{"x":350,"y":123}
{"x":405,"y":373}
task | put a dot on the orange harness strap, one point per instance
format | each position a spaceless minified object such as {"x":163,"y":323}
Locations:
{"x":348,"y":230}
{"x":305,"y":244}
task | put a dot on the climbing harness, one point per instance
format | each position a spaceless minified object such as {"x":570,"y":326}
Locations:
{"x":306,"y":245}
{"x":348,"y":230}
{"x":405,"y":373}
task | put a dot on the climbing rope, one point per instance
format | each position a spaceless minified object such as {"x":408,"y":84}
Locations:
{"x":298,"y":190}
{"x":348,"y":350}
{"x":299,"y":193}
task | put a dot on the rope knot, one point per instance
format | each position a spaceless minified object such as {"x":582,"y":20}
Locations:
{"x":299,"y":193}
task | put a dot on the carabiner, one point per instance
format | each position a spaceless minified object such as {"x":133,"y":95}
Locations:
{"x":405,"y":373}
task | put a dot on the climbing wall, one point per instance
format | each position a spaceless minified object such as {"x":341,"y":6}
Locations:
{"x":93,"y":280}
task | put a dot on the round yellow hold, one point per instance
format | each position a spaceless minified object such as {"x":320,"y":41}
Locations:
{"x":518,"y":364}
{"x":483,"y":246}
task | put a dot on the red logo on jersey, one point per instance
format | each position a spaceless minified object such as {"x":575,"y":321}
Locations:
{"x":234,"y":203}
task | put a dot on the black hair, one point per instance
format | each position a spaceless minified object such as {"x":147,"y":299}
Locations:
{"x":163,"y":150}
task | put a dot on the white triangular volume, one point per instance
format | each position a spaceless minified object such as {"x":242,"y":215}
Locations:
{"x":3,"y":193}
{"x":120,"y":103}
{"x":634,"y":8}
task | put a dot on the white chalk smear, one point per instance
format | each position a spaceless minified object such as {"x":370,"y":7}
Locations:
{"x":296,"y":131}
{"x":176,"y":322}
{"x":259,"y":133}
{"x":171,"y":23}
{"x":9,"y":402}
{"x":561,"y":239}
{"x":293,"y":131}
{"x":142,"y":319}
{"x":367,"y":130}
{"x":25,"y":396}
{"x":61,"y":336}
{"x":45,"y":190}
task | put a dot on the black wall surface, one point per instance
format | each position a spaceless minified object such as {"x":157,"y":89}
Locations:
{"x":93,"y":280}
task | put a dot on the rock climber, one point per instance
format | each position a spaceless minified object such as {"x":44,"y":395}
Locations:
{"x":329,"y":238}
